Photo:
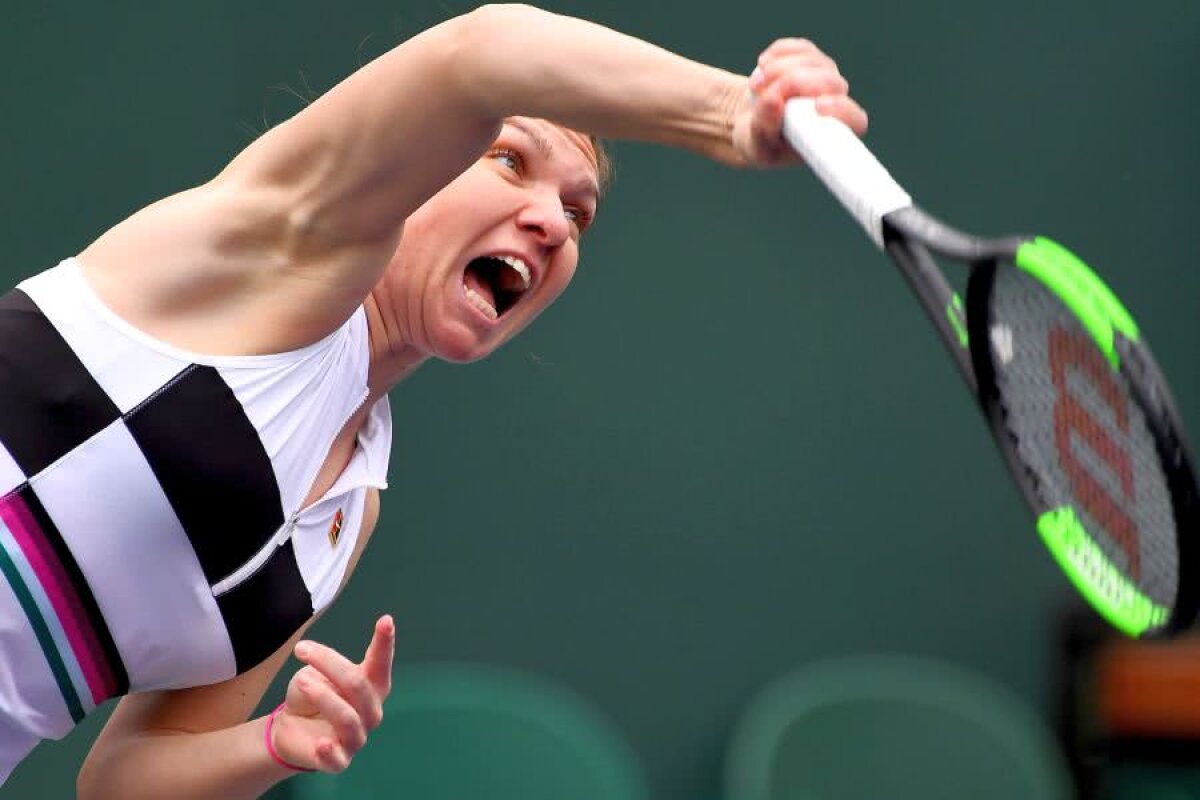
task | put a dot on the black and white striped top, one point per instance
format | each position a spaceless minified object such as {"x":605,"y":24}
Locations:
{"x":151,"y":530}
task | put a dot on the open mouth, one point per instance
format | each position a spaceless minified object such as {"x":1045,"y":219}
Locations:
{"x":494,"y":284}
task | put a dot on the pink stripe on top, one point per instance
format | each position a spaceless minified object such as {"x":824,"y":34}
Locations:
{"x":63,"y":597}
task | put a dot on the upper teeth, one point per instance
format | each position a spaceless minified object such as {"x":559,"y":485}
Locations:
{"x":520,"y":266}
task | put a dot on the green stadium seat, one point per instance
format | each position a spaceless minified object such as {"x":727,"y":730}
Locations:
{"x":891,"y":728}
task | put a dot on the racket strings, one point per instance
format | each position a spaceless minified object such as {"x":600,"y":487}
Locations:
{"x":1079,"y":431}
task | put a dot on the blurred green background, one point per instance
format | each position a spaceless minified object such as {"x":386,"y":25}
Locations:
{"x":735,"y":446}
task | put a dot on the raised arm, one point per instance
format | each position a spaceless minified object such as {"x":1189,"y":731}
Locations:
{"x":318,"y":202}
{"x":376,"y":146}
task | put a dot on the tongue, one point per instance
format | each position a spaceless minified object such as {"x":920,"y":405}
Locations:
{"x":473,"y":282}
{"x":510,"y":280}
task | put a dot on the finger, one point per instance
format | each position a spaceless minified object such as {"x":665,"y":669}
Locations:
{"x":343,"y":673}
{"x":777,"y":66}
{"x":330,"y":757}
{"x":788,"y":46}
{"x":845,"y":109}
{"x":805,"y":82}
{"x":337,"y":713}
{"x":811,"y":64}
{"x":377,"y":663}
{"x":295,"y":700}
{"x":765,"y":130}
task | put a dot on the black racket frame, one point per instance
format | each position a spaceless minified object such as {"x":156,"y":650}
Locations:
{"x":911,"y":239}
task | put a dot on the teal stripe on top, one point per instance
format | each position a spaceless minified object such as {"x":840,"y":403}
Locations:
{"x":42,"y":631}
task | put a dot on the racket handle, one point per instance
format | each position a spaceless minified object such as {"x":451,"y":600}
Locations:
{"x":844,"y":164}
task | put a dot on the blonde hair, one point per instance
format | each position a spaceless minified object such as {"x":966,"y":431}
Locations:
{"x":604,"y":164}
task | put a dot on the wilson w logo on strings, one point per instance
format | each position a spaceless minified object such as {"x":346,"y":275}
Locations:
{"x":1071,"y":352}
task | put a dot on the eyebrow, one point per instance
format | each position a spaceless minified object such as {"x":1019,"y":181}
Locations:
{"x":547,"y":151}
{"x":541,"y":142}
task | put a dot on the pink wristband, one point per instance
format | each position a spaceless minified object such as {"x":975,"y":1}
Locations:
{"x":271,"y":747}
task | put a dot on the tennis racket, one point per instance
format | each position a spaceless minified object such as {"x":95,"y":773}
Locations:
{"x":1071,"y":392}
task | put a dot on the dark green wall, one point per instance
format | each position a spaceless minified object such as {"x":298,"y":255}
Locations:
{"x":735,"y":446}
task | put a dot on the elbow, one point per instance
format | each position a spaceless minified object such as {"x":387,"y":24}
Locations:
{"x":87,"y":782}
{"x":96,"y":777}
{"x":84,"y":790}
{"x":493,"y":50}
{"x":493,"y":15}
{"x":493,"y":21}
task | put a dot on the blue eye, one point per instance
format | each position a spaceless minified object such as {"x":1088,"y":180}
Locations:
{"x":579,"y":217}
{"x":509,"y":158}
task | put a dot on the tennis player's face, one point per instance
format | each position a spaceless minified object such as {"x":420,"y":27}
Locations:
{"x":492,"y":250}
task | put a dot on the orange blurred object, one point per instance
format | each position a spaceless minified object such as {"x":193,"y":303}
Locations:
{"x":1149,"y":689}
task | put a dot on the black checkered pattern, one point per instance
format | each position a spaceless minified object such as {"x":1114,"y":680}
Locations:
{"x":204,"y":452}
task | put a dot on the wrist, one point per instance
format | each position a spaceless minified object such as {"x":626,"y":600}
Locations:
{"x":731,"y":99}
{"x":269,"y":730}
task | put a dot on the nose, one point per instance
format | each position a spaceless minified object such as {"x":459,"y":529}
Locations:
{"x":544,"y":217}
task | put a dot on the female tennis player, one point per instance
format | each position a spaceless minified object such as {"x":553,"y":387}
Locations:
{"x":193,"y":417}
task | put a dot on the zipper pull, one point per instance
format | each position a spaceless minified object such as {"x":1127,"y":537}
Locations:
{"x":288,"y":529}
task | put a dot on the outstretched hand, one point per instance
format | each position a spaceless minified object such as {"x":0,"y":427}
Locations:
{"x":790,"y":68}
{"x":332,"y":703}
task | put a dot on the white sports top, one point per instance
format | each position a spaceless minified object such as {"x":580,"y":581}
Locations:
{"x":151,"y":529}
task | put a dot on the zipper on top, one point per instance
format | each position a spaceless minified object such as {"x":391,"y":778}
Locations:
{"x":257,"y":561}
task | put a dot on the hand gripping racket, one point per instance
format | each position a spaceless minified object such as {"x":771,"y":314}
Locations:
{"x":1073,"y":397}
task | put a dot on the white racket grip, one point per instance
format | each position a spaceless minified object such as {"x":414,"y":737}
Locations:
{"x":844,"y":164}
